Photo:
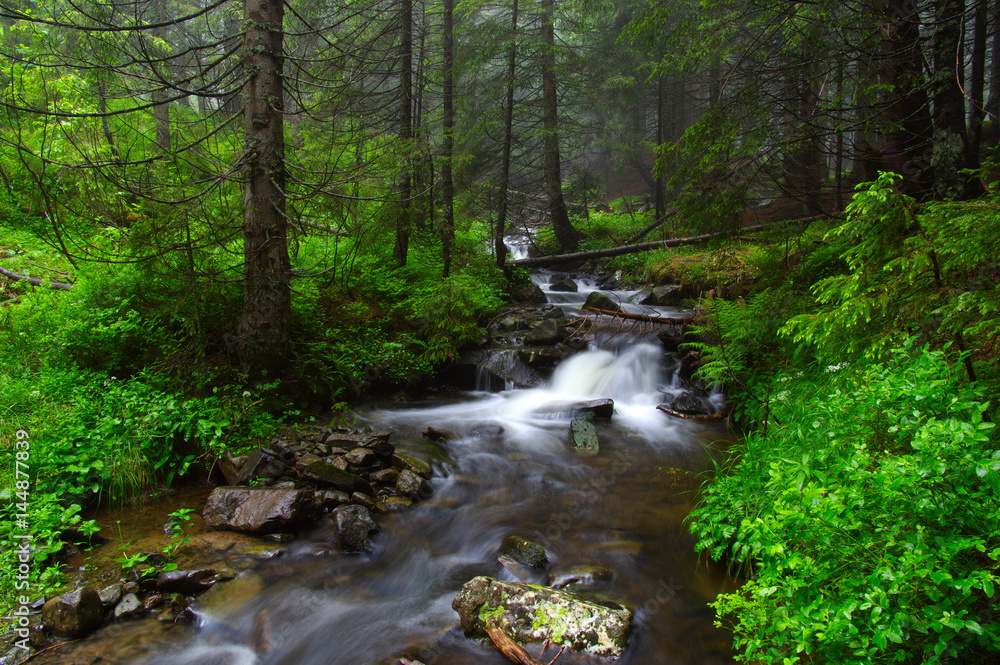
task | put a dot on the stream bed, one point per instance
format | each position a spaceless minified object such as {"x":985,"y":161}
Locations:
{"x":615,"y":520}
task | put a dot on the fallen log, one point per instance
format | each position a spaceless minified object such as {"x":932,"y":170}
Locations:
{"x":34,"y":281}
{"x":510,"y":649}
{"x":554,"y":259}
{"x":690,"y":416}
{"x":642,"y":317}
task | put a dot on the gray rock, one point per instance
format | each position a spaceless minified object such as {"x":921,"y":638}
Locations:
{"x":186,"y":581}
{"x":411,"y":485}
{"x":546,"y":332}
{"x":524,"y":551}
{"x":110,"y":596}
{"x":129,"y":607}
{"x":355,"y":528}
{"x":667,"y":296}
{"x":257,"y":510}
{"x":331,"y":477}
{"x":402,"y":461}
{"x":385,"y":477}
{"x":307,"y":459}
{"x":583,"y":436}
{"x":530,"y":613}
{"x":379,"y":444}
{"x":130,"y":587}
{"x":362,"y":458}
{"x":690,"y":404}
{"x":602,"y":409}
{"x":564,"y":285}
{"x":73,"y":614}
{"x":643,"y":296}
{"x":330,"y":499}
{"x":260,"y":464}
{"x":599,"y":300}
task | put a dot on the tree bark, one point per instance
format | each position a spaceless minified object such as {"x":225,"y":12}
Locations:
{"x":405,"y":130}
{"x":640,"y":247}
{"x":907,"y":114}
{"x":567,"y":237}
{"x":977,"y":89}
{"x":34,"y":281}
{"x":508,"y":141}
{"x":950,"y":140}
{"x":448,"y":120}
{"x":160,"y":94}
{"x":266,"y":318}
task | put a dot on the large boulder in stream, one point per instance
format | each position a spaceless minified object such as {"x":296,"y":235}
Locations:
{"x":74,"y":613}
{"x":564,"y":285}
{"x":598,"y":300}
{"x":546,"y":332}
{"x":529,"y":613}
{"x":258,"y":510}
{"x":602,"y":408}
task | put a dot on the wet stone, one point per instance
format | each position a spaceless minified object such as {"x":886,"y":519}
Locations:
{"x":579,"y":576}
{"x":601,"y":409}
{"x":564,"y":285}
{"x":524,"y":551}
{"x":129,"y":607}
{"x":330,"y":499}
{"x":598,"y":300}
{"x":547,"y":332}
{"x":256,"y":510}
{"x":409,"y":484}
{"x":362,"y":458}
{"x":385,"y":476}
{"x":330,"y":476}
{"x":186,"y":581}
{"x":74,"y":613}
{"x":355,"y":528}
{"x":583,"y":436}
{"x":110,"y":596}
{"x":530,"y":613}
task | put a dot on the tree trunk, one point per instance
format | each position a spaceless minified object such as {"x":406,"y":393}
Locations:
{"x":160,"y":94}
{"x":405,"y":130}
{"x":977,"y":95}
{"x":448,"y":120}
{"x":907,"y":150}
{"x":567,"y":237}
{"x":950,"y":141}
{"x":266,"y":319}
{"x":508,"y":141}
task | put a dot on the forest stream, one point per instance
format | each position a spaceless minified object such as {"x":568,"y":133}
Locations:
{"x":613,"y":521}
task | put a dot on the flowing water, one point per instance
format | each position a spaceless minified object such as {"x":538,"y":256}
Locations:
{"x":505,"y":469}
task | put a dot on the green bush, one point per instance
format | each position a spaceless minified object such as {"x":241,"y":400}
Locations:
{"x":866,"y":522}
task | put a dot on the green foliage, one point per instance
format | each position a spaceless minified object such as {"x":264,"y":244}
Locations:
{"x":930,"y":270}
{"x":868,"y":518}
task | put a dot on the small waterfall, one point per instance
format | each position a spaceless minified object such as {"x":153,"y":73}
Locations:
{"x":633,"y":375}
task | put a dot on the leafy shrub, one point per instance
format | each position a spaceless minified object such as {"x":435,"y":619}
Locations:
{"x":867,"y":520}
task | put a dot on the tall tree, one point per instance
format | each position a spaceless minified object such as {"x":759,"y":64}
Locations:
{"x":265,"y":323}
{"x":448,"y":121}
{"x":567,"y":236}
{"x":403,"y":222}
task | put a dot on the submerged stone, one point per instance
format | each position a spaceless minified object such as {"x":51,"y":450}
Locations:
{"x":583,"y":436}
{"x":529,"y":613}
{"x":524,"y":551}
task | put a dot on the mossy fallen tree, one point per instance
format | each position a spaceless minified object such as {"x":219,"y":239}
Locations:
{"x":574,"y":257}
